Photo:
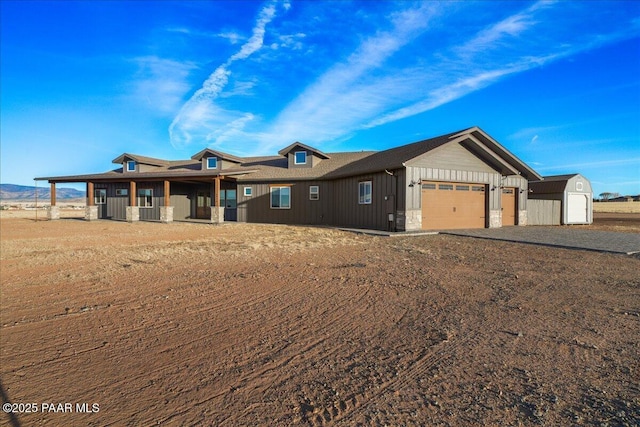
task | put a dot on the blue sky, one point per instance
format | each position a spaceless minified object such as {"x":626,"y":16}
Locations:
{"x":557,"y":83}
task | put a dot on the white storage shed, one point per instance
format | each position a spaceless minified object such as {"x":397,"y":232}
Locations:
{"x":574,"y":193}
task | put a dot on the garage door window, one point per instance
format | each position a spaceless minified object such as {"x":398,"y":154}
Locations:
{"x":445,"y":187}
{"x":462,"y":187}
{"x":477,"y":188}
{"x":428,"y":186}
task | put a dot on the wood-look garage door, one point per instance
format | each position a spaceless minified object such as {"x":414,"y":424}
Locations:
{"x":449,"y":205}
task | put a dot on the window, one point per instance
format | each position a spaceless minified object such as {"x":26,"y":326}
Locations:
{"x":477,"y":188}
{"x":145,"y":197}
{"x":122,"y":192}
{"x":131,"y":166}
{"x":579,"y":186}
{"x":300,"y":158}
{"x":228,"y":199}
{"x":428,"y":186}
{"x":314,"y":192}
{"x":212,"y":163}
{"x":248,"y":191}
{"x":100,"y":196}
{"x":445,"y":186}
{"x":462,"y":188}
{"x":280,"y":197}
{"x":364,"y":193}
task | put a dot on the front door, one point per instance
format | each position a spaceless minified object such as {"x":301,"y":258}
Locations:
{"x":509,"y":206}
{"x":229,"y":200}
{"x":203,"y":205}
{"x":100,"y":200}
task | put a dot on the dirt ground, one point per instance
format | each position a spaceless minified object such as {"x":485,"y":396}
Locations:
{"x":117,"y":324}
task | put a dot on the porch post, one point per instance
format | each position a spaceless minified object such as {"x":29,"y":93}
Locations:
{"x":133,"y":211}
{"x":91,"y":211}
{"x":53,"y":212}
{"x":132,"y":193}
{"x":166,"y":211}
{"x":90,"y":201}
{"x":53,"y":194}
{"x":217,"y":212}
{"x":217,"y":192}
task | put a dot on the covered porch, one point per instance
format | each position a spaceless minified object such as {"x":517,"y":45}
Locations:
{"x":205,"y":199}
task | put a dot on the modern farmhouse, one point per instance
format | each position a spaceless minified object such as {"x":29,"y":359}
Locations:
{"x":464,"y":179}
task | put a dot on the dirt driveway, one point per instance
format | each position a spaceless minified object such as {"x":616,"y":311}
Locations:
{"x":192,"y":324}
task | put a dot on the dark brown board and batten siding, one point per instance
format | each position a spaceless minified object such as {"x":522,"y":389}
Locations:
{"x":257,"y":207}
{"x":350,"y":213}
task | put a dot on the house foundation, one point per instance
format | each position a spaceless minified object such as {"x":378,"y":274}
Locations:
{"x":495,"y":219}
{"x":217,"y":215}
{"x":413,"y":219}
{"x":166,"y":214}
{"x":522,"y":218}
{"x":53,"y":212}
{"x":91,"y":213}
{"x":133,"y":213}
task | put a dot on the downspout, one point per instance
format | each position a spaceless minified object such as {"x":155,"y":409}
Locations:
{"x":394,"y":176}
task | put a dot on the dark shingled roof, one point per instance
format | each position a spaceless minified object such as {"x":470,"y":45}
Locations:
{"x":550,"y":184}
{"x":141,"y":159}
{"x":275,"y":168}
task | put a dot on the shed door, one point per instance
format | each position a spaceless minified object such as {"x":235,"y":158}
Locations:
{"x":508,"y":206}
{"x":449,"y":205}
{"x":577,"y":208}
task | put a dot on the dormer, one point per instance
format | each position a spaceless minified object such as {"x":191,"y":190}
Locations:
{"x":300,"y":155}
{"x":213,"y":160}
{"x":132,"y":163}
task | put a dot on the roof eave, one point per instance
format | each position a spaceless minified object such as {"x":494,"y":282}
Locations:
{"x":511,"y":158}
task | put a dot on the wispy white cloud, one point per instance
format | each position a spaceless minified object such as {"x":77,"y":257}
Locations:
{"x":160,"y":84}
{"x":397,"y":72}
{"x":232,"y":36}
{"x":595,"y":164}
{"x":200,"y":111}
{"x":346,"y":94}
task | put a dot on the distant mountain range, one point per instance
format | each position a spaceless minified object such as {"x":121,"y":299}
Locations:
{"x":27,"y":193}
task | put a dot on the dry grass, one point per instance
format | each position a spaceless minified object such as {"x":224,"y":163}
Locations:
{"x":248,"y":324}
{"x":617,"y":207}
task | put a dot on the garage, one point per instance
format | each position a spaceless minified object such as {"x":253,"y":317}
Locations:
{"x":451,"y":205}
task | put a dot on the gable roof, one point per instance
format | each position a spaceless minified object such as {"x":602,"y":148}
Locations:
{"x":290,"y":148}
{"x":393,"y":158}
{"x":480,"y":140}
{"x":565,"y":177}
{"x":551,"y":184}
{"x":333,"y":166}
{"x":219,"y":154}
{"x":474,"y":139}
{"x":140,"y":159}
